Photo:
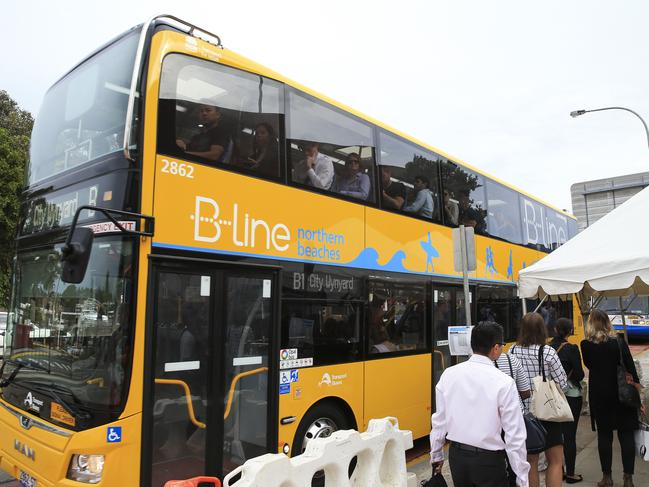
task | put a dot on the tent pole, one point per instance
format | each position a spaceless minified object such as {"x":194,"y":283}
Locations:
{"x":622,"y":310}
{"x":524,"y":301}
{"x":540,"y":303}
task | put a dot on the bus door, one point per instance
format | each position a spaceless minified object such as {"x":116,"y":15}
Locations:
{"x":448,"y":310}
{"x":210,"y":402}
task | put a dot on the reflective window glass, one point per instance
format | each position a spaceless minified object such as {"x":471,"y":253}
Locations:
{"x":409,"y":178}
{"x":327,"y":331}
{"x":552,"y":311}
{"x":220,"y":116}
{"x":504,"y":216}
{"x":464,"y":196}
{"x":557,"y":228}
{"x":249,"y":321}
{"x":572,"y":228}
{"x":329,"y":150}
{"x":533,"y":220}
{"x":182,"y":351}
{"x":396,"y":317}
{"x":82,"y":116}
{"x":499,"y":304}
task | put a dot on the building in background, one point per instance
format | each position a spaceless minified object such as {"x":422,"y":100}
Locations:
{"x":591,"y":200}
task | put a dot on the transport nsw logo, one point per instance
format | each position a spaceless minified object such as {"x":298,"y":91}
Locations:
{"x":245,"y":230}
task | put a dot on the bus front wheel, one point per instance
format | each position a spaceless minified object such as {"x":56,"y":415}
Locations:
{"x":319,"y":422}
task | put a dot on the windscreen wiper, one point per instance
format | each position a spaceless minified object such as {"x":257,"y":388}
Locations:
{"x":18,"y":364}
{"x":14,"y":373}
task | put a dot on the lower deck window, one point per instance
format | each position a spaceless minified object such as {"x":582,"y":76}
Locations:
{"x":325,"y":331}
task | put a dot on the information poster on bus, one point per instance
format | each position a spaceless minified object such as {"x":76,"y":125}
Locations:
{"x":459,"y":340}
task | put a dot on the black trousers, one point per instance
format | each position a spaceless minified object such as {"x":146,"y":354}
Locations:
{"x":477,"y":469}
{"x":569,"y":431}
{"x":605,"y":448}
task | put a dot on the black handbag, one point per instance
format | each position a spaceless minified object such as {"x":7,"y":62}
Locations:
{"x":627,"y":393}
{"x":536,"y":434}
{"x":437,"y":480}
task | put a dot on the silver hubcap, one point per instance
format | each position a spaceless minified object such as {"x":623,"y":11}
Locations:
{"x":320,"y":428}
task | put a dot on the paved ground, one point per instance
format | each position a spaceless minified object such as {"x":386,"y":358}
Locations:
{"x":587,"y":457}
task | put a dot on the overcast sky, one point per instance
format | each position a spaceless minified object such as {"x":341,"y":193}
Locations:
{"x":489,"y":82}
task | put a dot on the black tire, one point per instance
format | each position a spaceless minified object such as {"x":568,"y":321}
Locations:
{"x":324,"y":418}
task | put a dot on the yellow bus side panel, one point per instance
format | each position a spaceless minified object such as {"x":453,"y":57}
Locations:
{"x":578,"y":321}
{"x":409,"y":245}
{"x":400,"y":387}
{"x":316,"y":383}
{"x":225,"y":212}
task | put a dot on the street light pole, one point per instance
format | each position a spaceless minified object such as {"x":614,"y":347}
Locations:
{"x":577,"y":113}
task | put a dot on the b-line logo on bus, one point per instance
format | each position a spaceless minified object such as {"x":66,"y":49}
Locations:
{"x":245,"y":229}
{"x":250,"y":232}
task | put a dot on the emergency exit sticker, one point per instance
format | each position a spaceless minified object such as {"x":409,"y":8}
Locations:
{"x":205,"y":285}
{"x":266,"y":289}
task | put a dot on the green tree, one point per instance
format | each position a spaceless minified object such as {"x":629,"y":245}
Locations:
{"x":15,"y":130}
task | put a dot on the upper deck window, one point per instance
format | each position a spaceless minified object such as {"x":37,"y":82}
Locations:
{"x":409,"y":178}
{"x":220,"y":116}
{"x":83,"y":115}
{"x":504,"y":216}
{"x":330,"y":150}
{"x":464,"y":197}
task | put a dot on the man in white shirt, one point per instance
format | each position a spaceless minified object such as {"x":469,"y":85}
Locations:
{"x":475,"y":403}
{"x":316,"y":170}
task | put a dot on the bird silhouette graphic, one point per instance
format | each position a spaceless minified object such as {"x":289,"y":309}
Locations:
{"x":510,"y":268}
{"x":489,"y":260}
{"x":431,"y":252}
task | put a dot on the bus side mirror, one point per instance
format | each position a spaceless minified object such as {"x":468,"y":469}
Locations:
{"x":75,"y":255}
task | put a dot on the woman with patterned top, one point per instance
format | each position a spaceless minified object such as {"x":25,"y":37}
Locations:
{"x":533,"y":335}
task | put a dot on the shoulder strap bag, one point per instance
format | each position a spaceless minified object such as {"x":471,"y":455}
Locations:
{"x":627,"y":393}
{"x":548,"y":401}
{"x":536,"y":433}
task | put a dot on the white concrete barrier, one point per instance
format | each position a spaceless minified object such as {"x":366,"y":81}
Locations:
{"x":380,"y":454}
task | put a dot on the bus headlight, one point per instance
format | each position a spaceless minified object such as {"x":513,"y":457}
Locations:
{"x":86,"y":468}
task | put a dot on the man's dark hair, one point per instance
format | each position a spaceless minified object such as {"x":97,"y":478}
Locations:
{"x":485,"y":335}
{"x":564,"y":327}
{"x":424,"y":180}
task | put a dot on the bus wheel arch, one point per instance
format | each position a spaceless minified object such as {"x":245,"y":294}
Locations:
{"x":321,"y":419}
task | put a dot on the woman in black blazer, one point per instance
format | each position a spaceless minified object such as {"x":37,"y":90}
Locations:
{"x":571,"y":362}
{"x":601,"y":351}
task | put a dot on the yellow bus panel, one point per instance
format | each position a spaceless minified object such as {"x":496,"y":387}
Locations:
{"x":315,"y":384}
{"x":401,"y":387}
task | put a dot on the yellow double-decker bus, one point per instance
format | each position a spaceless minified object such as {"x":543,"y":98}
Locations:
{"x":215,"y":262}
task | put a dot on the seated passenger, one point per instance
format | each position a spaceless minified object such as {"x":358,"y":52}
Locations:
{"x":500,"y":226}
{"x":451,"y":210}
{"x":423,"y":204}
{"x":211,"y":142}
{"x":263,"y":157}
{"x":354,"y":183}
{"x":316,"y":170}
{"x":394,"y":194}
{"x":469,"y":216}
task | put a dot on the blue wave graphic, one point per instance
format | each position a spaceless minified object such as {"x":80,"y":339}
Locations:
{"x":369,"y":259}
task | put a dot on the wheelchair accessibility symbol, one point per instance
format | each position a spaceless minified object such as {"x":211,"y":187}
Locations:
{"x":114,"y":434}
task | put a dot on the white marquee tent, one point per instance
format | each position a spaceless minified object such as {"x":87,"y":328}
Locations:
{"x":609,"y":258}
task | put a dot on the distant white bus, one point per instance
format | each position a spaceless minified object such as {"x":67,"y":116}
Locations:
{"x":636,"y":315}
